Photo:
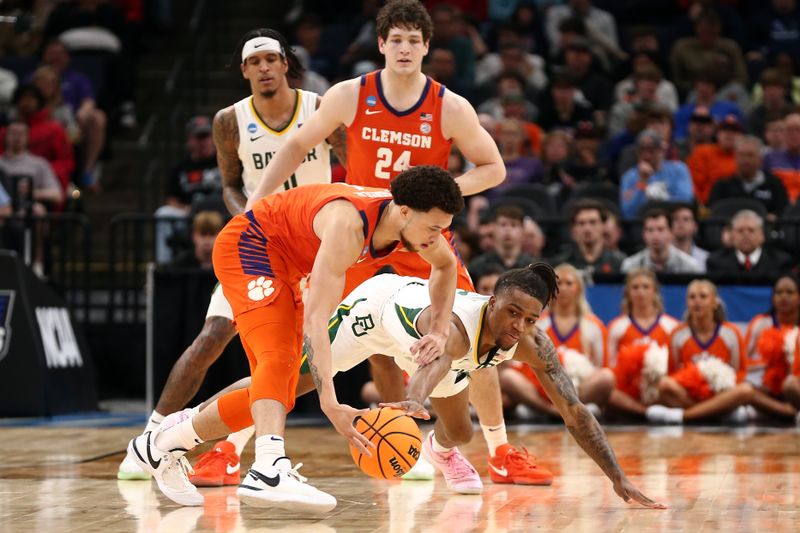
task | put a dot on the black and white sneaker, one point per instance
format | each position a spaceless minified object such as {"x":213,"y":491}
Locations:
{"x":170,"y":469}
{"x":282,"y":486}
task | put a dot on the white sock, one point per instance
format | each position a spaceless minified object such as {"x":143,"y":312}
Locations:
{"x":241,"y":438}
{"x":268,"y":449}
{"x":181,"y":437}
{"x":153,"y":422}
{"x":438,"y":448}
{"x":495,"y":436}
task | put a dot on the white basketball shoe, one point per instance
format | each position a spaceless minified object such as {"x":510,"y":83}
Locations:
{"x":169,"y":468}
{"x":129,"y":470}
{"x":282,"y":486}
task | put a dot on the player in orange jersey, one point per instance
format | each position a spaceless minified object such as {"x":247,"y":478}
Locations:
{"x":260,"y":258}
{"x":643,"y":324}
{"x":580,"y":338}
{"x":770,"y":344}
{"x":397,"y":118}
{"x":707,"y":364}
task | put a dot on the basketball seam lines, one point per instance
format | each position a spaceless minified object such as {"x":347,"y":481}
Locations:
{"x":376,"y":431}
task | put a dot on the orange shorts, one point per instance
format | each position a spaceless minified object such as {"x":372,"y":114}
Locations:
{"x":268,"y":311}
{"x":405,"y":263}
{"x":251,"y":271}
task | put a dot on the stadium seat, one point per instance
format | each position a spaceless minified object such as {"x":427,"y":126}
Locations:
{"x":727,"y":207}
{"x":606,"y":193}
{"x":536,"y":193}
{"x":529,"y":207}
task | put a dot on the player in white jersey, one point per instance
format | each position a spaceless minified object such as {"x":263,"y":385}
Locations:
{"x":247,"y":135}
{"x":390,"y":313}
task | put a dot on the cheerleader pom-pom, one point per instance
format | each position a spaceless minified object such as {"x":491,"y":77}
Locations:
{"x":719,"y":375}
{"x":630,"y":362}
{"x":656,"y":361}
{"x":771,"y":346}
{"x":691,"y":379}
{"x":577,"y":366}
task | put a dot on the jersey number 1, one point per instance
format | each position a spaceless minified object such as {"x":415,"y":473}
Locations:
{"x":385,"y":157}
{"x":291,"y":183}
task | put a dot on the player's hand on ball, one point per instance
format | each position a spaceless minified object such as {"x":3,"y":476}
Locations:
{"x":411,"y":408}
{"x":342,"y":416}
{"x":628,"y":491}
{"x":428,"y":348}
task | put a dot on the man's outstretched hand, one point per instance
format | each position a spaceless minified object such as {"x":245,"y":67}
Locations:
{"x":628,"y":492}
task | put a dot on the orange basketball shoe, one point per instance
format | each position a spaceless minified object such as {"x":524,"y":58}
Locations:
{"x":509,"y":465}
{"x":218,"y":467}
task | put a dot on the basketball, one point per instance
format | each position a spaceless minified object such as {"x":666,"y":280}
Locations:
{"x":397,"y":441}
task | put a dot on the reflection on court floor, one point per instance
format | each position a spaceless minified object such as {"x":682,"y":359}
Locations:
{"x":55,"y":479}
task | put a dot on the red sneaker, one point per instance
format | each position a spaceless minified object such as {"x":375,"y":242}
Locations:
{"x":218,"y":467}
{"x":509,"y":465}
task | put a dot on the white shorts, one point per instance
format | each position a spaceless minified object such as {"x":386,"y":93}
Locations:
{"x":219,"y":306}
{"x":379,"y":317}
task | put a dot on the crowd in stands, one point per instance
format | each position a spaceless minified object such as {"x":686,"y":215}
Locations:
{"x":639,"y":137}
{"x":67,"y":82}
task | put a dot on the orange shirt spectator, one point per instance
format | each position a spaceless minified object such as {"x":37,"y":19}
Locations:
{"x":709,"y":163}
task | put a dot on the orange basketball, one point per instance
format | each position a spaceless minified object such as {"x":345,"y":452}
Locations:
{"x":397,"y":441}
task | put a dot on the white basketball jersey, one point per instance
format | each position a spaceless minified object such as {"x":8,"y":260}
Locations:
{"x":258,"y":143}
{"x":470,"y":308}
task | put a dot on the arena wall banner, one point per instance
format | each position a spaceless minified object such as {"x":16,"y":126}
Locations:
{"x":742,"y":302}
{"x":45,"y":366}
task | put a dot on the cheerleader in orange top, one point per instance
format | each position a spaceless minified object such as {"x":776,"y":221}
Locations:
{"x":770,"y":343}
{"x":707,"y":364}
{"x":581,"y":341}
{"x":638,"y":343}
{"x":791,"y":386}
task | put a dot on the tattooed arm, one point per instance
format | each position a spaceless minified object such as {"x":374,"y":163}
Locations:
{"x":226,"y":141}
{"x":340,"y":230}
{"x":338,"y":141}
{"x":540,"y":353}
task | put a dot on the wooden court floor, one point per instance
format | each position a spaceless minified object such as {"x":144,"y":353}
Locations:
{"x":63,"y":479}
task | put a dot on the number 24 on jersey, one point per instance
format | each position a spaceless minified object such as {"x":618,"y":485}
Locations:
{"x":386,"y":160}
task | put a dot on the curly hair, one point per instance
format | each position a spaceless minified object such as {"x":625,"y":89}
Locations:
{"x":537,"y":279}
{"x":295,"y":68}
{"x":406,"y":14}
{"x":427,"y":187}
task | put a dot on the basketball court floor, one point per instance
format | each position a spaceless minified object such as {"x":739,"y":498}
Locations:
{"x":58,"y":479}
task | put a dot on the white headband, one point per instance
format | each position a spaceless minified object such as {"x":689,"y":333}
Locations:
{"x":261,"y":44}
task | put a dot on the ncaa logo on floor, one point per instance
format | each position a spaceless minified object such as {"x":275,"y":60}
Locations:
{"x":6,"y":307}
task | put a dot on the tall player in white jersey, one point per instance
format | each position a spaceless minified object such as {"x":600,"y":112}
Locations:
{"x":247,"y":135}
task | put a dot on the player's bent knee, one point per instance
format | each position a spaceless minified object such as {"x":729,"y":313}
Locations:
{"x":275,"y":377}
{"x":461,"y":433}
{"x":217,"y":332}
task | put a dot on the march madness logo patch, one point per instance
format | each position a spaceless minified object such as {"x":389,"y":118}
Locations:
{"x":6,"y":307}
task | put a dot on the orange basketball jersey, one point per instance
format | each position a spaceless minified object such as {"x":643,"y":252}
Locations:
{"x":284,"y":222}
{"x":382,"y":141}
{"x":725,"y":344}
{"x":624,"y":331}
